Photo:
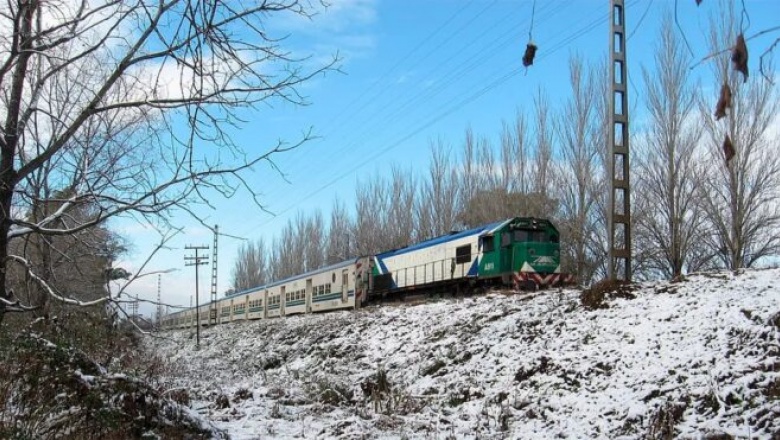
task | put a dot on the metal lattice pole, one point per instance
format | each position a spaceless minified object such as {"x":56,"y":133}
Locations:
{"x":620,"y":196}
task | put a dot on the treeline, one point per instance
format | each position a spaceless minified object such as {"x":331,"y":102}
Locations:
{"x":692,"y":209}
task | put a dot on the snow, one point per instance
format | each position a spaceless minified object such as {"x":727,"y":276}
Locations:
{"x":701,"y":356}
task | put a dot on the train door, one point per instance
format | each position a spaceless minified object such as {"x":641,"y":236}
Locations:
{"x":362,"y":280}
{"x":282,"y":299}
{"x":308,"y":294}
{"x":344,"y":285}
{"x":506,"y":252}
{"x":265,"y":304}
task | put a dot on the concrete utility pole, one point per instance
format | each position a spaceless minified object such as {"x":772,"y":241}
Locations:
{"x":196,"y":260}
{"x":620,"y":196}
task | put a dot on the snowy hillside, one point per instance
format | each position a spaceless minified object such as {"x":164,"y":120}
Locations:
{"x":696,"y":359}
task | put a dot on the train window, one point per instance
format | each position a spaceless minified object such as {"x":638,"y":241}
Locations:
{"x":463,"y":254}
{"x":506,"y":239}
{"x":532,"y":236}
{"x":488,"y":244}
{"x":521,"y":236}
{"x":327,"y":287}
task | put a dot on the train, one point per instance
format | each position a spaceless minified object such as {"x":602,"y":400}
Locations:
{"x":523,"y":252}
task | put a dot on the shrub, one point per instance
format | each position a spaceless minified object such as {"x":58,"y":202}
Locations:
{"x":596,"y":296}
{"x":53,"y":390}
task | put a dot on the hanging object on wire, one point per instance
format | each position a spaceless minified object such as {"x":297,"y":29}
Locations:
{"x":698,"y":2}
{"x":739,"y":57}
{"x":530,"y":48}
{"x":724,"y":102}
{"x":530,"y":53}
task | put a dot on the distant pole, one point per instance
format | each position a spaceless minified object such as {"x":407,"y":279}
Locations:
{"x":134,"y":309}
{"x":159,"y":300}
{"x":620,"y":196}
{"x":213,"y":307}
{"x":196,"y":260}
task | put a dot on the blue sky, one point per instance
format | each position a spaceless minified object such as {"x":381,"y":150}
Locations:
{"x":412,"y":71}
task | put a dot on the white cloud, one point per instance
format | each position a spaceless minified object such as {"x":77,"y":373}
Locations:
{"x":336,"y":16}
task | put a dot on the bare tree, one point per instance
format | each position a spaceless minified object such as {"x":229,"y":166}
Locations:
{"x":286,"y":256}
{"x":341,"y":239}
{"x":669,"y":175}
{"x":437,"y":206}
{"x":313,"y":237}
{"x":370,"y":211}
{"x":575,"y":129}
{"x":251,"y":266}
{"x":400,"y":222}
{"x":599,"y":244}
{"x":740,"y":196}
{"x":75,"y":76}
{"x":468,"y":178}
{"x":543,"y":143}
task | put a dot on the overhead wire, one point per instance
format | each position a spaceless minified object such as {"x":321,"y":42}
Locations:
{"x":377,"y":118}
{"x":453,"y":74}
{"x":374,"y":99}
{"x":449,"y":109}
{"x":340,"y":119}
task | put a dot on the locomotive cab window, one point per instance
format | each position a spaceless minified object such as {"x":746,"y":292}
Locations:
{"x":488,"y":244}
{"x":532,"y":236}
{"x":521,"y":235}
{"x":506,"y":239}
{"x":463,"y":254}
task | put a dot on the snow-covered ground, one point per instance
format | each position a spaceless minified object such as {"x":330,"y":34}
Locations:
{"x":695,"y":359}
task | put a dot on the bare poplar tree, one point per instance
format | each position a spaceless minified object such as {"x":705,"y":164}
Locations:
{"x":599,"y":243}
{"x":468,"y":177}
{"x":543,"y":171}
{"x":176,"y":70}
{"x":740,"y":196}
{"x":341,"y":238}
{"x":668,"y":177}
{"x":370,"y":212}
{"x":437,"y":206}
{"x":575,"y":128}
{"x":251,"y":266}
{"x":313,"y":237}
{"x":288,"y":256}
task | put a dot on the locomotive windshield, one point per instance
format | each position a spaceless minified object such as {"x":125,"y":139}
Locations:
{"x":521,"y":235}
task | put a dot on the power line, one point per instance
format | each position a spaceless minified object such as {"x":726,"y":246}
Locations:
{"x":388,"y":72}
{"x":453,"y":75}
{"x":449,"y":109}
